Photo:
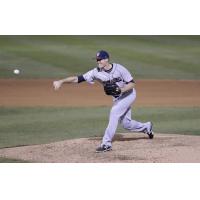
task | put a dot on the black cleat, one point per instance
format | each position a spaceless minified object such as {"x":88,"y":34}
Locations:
{"x":149,"y":130}
{"x":103,"y":148}
{"x":151,"y":135}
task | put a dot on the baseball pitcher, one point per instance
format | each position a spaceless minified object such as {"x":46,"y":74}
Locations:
{"x":118,"y":83}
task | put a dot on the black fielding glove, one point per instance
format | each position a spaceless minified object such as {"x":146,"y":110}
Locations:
{"x":112,"y":89}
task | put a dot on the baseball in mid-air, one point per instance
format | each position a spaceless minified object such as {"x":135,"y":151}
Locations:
{"x":16,"y":71}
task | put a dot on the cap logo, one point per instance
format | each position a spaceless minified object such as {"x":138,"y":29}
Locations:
{"x":98,"y":54}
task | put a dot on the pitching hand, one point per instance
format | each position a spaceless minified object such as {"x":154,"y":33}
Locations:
{"x":57,"y":84}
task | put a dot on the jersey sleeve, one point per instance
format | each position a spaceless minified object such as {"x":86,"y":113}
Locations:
{"x":89,"y":76}
{"x":126,"y":75}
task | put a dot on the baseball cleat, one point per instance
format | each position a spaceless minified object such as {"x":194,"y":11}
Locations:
{"x":149,"y":130}
{"x":103,"y":148}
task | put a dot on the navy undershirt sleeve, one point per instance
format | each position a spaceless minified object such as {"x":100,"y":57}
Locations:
{"x":81,"y":79}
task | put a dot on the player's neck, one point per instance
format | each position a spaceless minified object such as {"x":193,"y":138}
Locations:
{"x":108,"y":67}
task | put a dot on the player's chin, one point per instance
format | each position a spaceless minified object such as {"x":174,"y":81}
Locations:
{"x":101,"y":66}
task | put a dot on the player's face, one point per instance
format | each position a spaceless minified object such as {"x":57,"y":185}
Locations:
{"x":102,"y":63}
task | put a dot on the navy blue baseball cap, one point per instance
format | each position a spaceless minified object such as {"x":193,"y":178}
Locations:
{"x":102,"y":55}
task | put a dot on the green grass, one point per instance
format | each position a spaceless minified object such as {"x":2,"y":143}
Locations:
{"x":26,"y":126}
{"x":169,"y":57}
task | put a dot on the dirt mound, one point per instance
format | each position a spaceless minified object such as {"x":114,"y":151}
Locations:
{"x":126,"y":148}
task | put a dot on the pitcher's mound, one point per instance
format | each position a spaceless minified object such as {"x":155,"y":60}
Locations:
{"x":129,"y":147}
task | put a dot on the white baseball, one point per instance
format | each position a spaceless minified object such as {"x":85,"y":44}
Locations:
{"x":16,"y":71}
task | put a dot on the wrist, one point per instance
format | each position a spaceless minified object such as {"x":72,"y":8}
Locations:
{"x":62,"y":81}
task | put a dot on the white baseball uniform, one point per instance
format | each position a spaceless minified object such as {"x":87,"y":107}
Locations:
{"x":121,"y":109}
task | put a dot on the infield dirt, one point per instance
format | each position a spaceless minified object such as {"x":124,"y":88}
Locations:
{"x":149,"y":93}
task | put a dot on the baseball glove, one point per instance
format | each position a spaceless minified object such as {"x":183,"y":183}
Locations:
{"x":112,"y":89}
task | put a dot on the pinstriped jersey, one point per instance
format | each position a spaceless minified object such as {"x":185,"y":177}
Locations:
{"x":118,"y":74}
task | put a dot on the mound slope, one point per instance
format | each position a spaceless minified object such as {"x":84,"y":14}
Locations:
{"x":127,"y":148}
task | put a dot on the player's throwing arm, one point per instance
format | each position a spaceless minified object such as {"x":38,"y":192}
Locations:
{"x":58,"y":84}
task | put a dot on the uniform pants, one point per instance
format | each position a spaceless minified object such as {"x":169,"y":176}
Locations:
{"x":121,"y":112}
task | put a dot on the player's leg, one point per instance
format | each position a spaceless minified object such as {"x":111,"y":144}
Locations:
{"x":106,"y":144}
{"x":115,"y":113}
{"x":136,"y":126}
{"x":118,"y":109}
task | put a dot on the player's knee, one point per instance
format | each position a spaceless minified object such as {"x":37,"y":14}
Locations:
{"x":126,"y":124}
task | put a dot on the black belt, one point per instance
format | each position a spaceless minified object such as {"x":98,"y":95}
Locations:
{"x":123,"y":95}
